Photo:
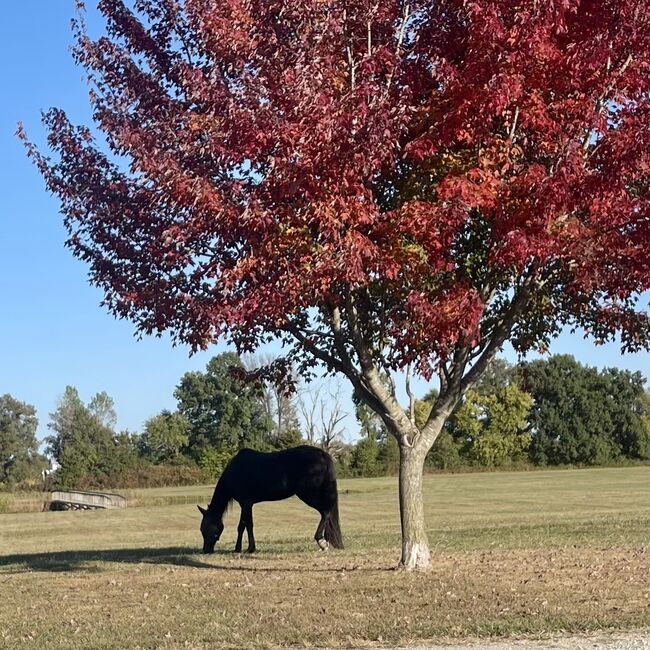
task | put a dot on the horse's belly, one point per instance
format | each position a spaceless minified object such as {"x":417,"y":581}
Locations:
{"x":278,"y":496}
{"x":271,"y":491}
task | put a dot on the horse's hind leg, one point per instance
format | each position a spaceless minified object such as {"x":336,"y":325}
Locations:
{"x":320,"y":532}
{"x":316,"y":502}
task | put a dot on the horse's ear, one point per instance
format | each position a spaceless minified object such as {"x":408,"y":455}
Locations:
{"x":203,"y":511}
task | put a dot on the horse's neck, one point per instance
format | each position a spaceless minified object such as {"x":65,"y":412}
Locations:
{"x":220,"y":499}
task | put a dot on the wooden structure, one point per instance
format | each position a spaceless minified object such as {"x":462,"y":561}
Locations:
{"x":75,"y":500}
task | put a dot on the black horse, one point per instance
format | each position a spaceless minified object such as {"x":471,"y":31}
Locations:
{"x":254,"y":476}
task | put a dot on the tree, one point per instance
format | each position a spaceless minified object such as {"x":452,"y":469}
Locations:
{"x":405,"y":184}
{"x":365,"y":457}
{"x":445,"y":454}
{"x":280,"y":406}
{"x":82,"y":443}
{"x":376,"y":452}
{"x":627,"y":402}
{"x":19,"y":458}
{"x":498,"y":375}
{"x":224,"y":413}
{"x":582,"y":416}
{"x":323,"y":414}
{"x":164,"y":437}
{"x":493,"y":427}
{"x":102,"y":408}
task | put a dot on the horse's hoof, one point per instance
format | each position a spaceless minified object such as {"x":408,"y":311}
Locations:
{"x":323,"y":544}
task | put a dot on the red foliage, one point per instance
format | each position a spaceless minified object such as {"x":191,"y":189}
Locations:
{"x":436,"y":174}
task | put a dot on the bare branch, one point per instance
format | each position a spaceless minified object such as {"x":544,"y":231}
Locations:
{"x":348,"y":48}
{"x":400,"y":40}
{"x":602,"y":100}
{"x":329,"y":360}
{"x":513,"y":128}
{"x":308,"y":410}
{"x":409,"y":392}
{"x":322,"y":417}
{"x":334,"y":317}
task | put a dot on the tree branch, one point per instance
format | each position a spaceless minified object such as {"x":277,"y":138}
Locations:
{"x":340,"y":366}
{"x":348,"y":48}
{"x":411,"y":397}
{"x":334,"y":317}
{"x":600,"y":102}
{"x":457,"y":387}
{"x":400,"y":40}
{"x":499,"y":336}
{"x":393,"y":414}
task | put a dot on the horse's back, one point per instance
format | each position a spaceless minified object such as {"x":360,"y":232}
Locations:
{"x":294,"y":457}
{"x":271,"y":476}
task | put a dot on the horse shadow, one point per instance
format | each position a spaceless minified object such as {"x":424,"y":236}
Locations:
{"x":87,"y":560}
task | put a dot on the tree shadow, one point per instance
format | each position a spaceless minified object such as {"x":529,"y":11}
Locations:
{"x":183,"y":556}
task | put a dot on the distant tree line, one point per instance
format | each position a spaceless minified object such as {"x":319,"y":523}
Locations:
{"x":541,"y":413}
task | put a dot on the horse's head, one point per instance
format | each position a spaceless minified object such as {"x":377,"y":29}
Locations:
{"x":211,"y":529}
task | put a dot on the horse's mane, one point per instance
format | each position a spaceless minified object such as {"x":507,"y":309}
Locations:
{"x":217,"y":503}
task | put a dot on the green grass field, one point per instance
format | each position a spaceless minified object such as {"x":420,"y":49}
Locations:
{"x":515,"y":554}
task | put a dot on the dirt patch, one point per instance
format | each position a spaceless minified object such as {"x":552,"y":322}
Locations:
{"x":630,"y":641}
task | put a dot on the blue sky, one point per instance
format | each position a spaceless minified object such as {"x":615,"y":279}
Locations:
{"x":52,"y":330}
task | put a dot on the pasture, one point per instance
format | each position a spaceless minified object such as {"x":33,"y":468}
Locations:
{"x":515,"y":554}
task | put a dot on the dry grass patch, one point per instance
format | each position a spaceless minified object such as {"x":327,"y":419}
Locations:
{"x":176,"y":599}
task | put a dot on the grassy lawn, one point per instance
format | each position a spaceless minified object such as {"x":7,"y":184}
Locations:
{"x":514,"y":554}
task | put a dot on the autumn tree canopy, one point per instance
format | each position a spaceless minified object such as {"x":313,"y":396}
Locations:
{"x":380,"y":185}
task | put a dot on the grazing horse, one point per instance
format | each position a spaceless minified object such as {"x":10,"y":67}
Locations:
{"x":254,"y":476}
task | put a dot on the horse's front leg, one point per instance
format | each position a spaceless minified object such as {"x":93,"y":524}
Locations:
{"x":247,"y":514}
{"x":240,"y":530}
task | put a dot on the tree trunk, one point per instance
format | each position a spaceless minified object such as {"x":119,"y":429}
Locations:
{"x":415,"y":545}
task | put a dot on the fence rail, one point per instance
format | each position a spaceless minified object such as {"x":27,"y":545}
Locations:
{"x":74,"y":500}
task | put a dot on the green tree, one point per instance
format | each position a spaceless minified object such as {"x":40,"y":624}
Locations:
{"x":365,"y":457}
{"x":83,"y":443}
{"x":122,"y":455}
{"x":377,"y":452}
{"x":493,"y":427}
{"x":498,"y":374}
{"x":164,"y":438}
{"x":224,"y":413}
{"x":388,"y":456}
{"x":287,"y":437}
{"x":582,"y":416}
{"x":628,"y":406}
{"x":19,"y":457}
{"x":102,"y":408}
{"x":445,"y":454}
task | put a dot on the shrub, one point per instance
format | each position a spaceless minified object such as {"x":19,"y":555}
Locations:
{"x":145,"y":476}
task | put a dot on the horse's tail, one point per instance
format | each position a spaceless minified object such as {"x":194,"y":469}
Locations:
{"x":333,"y":528}
{"x":332,"y":525}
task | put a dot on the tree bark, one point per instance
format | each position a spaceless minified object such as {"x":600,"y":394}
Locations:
{"x":415,"y":545}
